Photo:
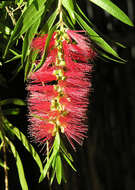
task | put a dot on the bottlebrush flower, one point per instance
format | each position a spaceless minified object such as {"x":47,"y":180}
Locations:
{"x":58,"y":91}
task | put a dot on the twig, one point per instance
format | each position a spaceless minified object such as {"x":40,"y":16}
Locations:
{"x":11,"y":15}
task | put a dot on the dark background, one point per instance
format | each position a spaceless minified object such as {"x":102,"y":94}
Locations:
{"x":107,"y":159}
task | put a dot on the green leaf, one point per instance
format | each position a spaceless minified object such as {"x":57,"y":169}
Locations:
{"x":27,"y":19}
{"x":58,"y":168}
{"x":19,"y":2}
{"x":53,"y":171}
{"x":69,"y":162}
{"x":56,"y":146}
{"x":67,"y":20}
{"x":15,"y":101}
{"x":110,"y":58}
{"x":5,"y":29}
{"x":2,"y":165}
{"x":2,"y":143}
{"x":119,"y":44}
{"x":81,"y":13}
{"x":115,"y":11}
{"x":49,"y":23}
{"x":14,"y":58}
{"x":28,"y":38}
{"x":29,"y":2}
{"x":30,"y":64}
{"x":19,"y":165}
{"x":68,"y":4}
{"x":95,"y":37}
{"x":64,"y":150}
{"x":14,"y":52}
{"x":28,"y":146}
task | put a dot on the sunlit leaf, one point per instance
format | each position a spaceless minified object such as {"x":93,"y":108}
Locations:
{"x":80,"y":12}
{"x":19,"y":165}
{"x":64,"y":150}
{"x":68,"y":4}
{"x":67,"y":20}
{"x":115,"y":11}
{"x":95,"y":37}
{"x":56,"y":146}
{"x":1,"y":145}
{"x":28,"y":146}
{"x":28,"y":38}
{"x":2,"y":165}
{"x":53,"y":171}
{"x":111,"y":59}
{"x":5,"y":29}
{"x":68,"y":161}
{"x":119,"y":44}
{"x":58,"y":168}
{"x":49,"y":23}
{"x":14,"y":58}
{"x":14,"y":52}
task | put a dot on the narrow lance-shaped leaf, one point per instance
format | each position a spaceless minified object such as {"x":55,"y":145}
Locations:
{"x":78,"y":10}
{"x":56,"y":146}
{"x":28,"y":38}
{"x":28,"y":146}
{"x":49,"y":23}
{"x":14,"y":58}
{"x":53,"y":171}
{"x":15,"y":131}
{"x":58,"y":168}
{"x":19,"y":165}
{"x":107,"y":57}
{"x":69,"y":162}
{"x":2,"y":165}
{"x":115,"y":11}
{"x":95,"y":37}
{"x":67,"y":20}
{"x":68,"y":4}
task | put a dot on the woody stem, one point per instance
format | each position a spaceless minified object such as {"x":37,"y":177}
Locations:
{"x":60,"y":14}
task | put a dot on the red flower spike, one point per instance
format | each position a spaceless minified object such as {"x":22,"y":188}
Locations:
{"x":58,"y":91}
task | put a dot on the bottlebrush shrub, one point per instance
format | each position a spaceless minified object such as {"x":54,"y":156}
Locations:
{"x":58,"y":91}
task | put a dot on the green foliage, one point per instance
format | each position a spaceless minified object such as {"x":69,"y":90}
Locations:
{"x":68,"y":4}
{"x":54,"y":161}
{"x":8,"y":133}
{"x":19,"y":165}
